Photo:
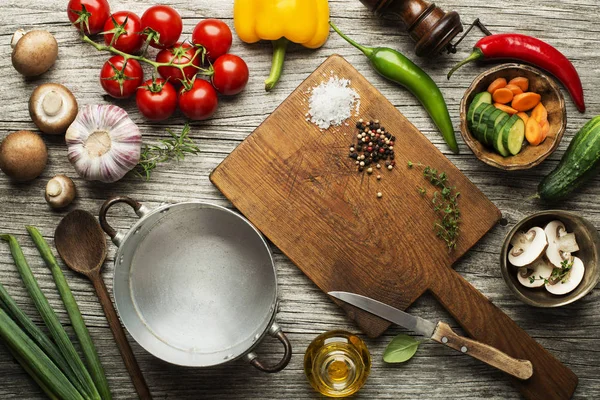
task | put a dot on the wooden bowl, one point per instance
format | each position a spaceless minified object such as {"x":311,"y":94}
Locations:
{"x":553,"y":100}
{"x":588,"y":240}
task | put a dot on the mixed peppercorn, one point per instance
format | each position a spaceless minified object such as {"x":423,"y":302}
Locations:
{"x":374,"y":148}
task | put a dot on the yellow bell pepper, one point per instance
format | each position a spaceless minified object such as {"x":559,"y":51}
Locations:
{"x":305,"y":22}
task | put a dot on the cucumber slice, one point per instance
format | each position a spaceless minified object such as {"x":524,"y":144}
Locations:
{"x":478,"y":120}
{"x":502,"y":143}
{"x":495,"y":119}
{"x":497,"y":139}
{"x":483,"y":126}
{"x":483,"y":97}
{"x":512,"y":139}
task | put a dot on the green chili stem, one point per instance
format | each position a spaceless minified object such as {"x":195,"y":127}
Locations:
{"x":477,"y":54}
{"x":368,"y":51}
{"x":40,"y":338}
{"x":36,"y":359}
{"x":57,"y":331}
{"x":83,"y":335}
{"x":279,"y":49}
{"x":155,"y":64}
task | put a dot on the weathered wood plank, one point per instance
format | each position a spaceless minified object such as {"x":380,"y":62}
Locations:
{"x":435,"y":373}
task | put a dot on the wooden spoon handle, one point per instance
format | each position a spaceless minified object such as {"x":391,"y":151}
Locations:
{"x":485,"y":322}
{"x":122,"y":343}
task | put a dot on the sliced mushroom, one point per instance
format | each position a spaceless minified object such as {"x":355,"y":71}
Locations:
{"x":52,"y":108}
{"x":60,"y":191}
{"x":540,"y":270}
{"x":571,"y":281}
{"x":527,"y":247}
{"x":560,"y":243}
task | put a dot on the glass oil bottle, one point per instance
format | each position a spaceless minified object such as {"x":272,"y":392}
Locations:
{"x":337,"y":363}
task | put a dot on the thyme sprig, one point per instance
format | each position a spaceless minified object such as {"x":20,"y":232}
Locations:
{"x":557,"y":275}
{"x":445,"y":204}
{"x":174,"y":148}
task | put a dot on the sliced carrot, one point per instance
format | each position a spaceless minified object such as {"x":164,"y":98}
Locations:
{"x":497,"y":84}
{"x":523,"y":116}
{"x":533,"y":132}
{"x":545,"y":128}
{"x":521,"y":82}
{"x":506,"y":109}
{"x":526,"y":101}
{"x":502,"y":96}
{"x":514,"y":89}
{"x":539,"y":113}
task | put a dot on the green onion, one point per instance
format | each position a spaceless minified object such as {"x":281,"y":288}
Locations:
{"x":33,"y":375}
{"x":36,"y":360}
{"x":83,"y":335}
{"x":40,"y":338}
{"x":57,"y":332}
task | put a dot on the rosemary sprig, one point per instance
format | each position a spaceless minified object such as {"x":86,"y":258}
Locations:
{"x":175,"y":148}
{"x":445,"y":204}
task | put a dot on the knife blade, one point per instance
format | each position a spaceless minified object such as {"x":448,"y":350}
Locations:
{"x":441,"y":333}
{"x":389,"y":313}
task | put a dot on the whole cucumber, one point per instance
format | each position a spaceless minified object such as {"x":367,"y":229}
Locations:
{"x":580,"y":163}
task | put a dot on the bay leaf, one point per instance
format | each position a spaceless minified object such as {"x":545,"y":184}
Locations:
{"x":401,"y":349}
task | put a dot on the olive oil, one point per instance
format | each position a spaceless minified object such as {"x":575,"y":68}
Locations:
{"x":337,"y":363}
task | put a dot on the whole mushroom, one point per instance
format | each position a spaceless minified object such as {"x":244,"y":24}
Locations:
{"x":34,"y":52}
{"x":60,"y":191}
{"x":23,"y":155}
{"x":52,"y":108}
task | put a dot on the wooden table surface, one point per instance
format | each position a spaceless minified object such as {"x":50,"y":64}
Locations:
{"x":571,"y":333}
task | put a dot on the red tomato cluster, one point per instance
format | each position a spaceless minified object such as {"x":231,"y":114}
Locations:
{"x":160,"y":27}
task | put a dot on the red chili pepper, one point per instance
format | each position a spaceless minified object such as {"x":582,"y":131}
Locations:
{"x":532,"y":51}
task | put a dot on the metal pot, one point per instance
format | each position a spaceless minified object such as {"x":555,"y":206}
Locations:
{"x":195,"y":284}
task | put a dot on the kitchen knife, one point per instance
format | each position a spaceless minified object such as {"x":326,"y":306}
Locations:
{"x":441,"y":333}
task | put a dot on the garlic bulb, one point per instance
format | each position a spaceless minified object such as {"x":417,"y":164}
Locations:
{"x":104,"y":143}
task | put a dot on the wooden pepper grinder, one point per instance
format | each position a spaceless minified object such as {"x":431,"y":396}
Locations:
{"x":428,"y":25}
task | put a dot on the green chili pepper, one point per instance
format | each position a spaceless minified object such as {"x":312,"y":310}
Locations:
{"x":392,"y":65}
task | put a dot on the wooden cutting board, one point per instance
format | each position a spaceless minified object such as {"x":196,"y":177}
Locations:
{"x":297,"y":184}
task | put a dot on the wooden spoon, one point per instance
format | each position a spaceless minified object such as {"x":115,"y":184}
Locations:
{"x":82,"y":246}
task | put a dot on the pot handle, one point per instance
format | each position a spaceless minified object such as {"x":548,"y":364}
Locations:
{"x":138,"y":207}
{"x":274,"y":331}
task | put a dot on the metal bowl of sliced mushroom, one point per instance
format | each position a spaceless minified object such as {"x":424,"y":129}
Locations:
{"x":551,"y":258}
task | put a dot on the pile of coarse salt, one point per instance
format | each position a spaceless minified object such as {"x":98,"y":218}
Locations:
{"x":332,"y":102}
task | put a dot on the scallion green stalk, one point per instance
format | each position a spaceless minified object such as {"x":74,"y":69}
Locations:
{"x":35,"y":376}
{"x":35,"y":333}
{"x":57,"y":332}
{"x":89,"y":350}
{"x":36,"y":360}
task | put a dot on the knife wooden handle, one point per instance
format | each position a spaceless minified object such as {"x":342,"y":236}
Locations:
{"x":522,"y":369}
{"x":485,"y":322}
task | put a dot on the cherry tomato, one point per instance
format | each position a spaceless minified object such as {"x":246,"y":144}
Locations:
{"x":164,"y":24}
{"x":129,"y":39}
{"x":230,"y":74}
{"x":120,"y":79}
{"x":88,"y":14}
{"x":214,"y":35}
{"x":181,"y":53}
{"x":199,"y":101}
{"x":156,"y":99}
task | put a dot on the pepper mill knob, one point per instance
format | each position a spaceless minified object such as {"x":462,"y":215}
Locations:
{"x":428,"y":25}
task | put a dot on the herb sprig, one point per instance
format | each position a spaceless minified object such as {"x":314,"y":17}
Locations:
{"x":557,"y":275}
{"x":445,"y":204}
{"x":176,"y":147}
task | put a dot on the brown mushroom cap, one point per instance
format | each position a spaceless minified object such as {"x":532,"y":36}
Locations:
{"x":23,"y":155}
{"x":35,"y":53}
{"x":52,"y":108}
{"x":60,"y":191}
